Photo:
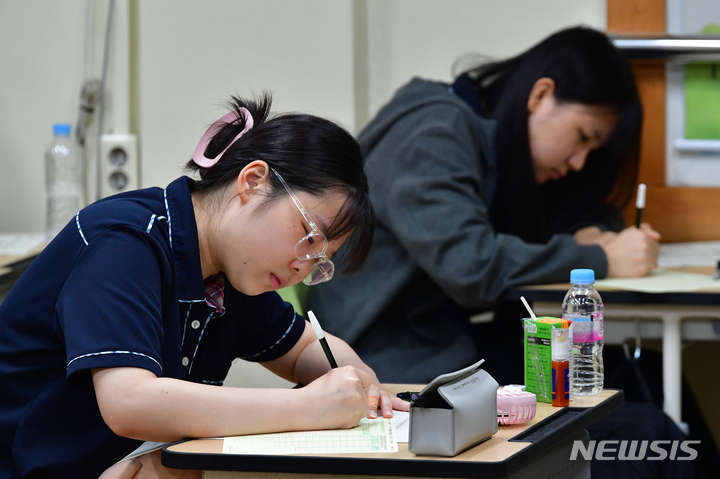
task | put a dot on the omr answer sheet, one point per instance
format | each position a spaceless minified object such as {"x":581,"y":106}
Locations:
{"x":371,"y":435}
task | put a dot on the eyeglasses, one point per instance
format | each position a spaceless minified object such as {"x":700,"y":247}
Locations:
{"x":311,"y":246}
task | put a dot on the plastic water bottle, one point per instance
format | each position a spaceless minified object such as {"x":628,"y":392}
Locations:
{"x":584,"y":307}
{"x":62,"y":180}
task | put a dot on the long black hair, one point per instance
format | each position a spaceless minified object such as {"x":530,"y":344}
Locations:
{"x":312,"y":154}
{"x":586,"y":69}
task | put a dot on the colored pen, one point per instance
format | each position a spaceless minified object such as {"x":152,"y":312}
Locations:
{"x":640,"y":203}
{"x":321,"y":337}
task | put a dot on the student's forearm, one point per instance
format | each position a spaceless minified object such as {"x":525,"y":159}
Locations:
{"x":135,"y":403}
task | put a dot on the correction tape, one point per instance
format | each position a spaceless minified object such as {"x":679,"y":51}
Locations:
{"x":515,"y":407}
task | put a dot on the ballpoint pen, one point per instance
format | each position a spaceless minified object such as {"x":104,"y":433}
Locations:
{"x":321,"y":337}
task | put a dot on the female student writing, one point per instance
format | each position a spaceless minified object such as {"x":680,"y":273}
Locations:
{"x":122,"y":329}
{"x":511,"y":175}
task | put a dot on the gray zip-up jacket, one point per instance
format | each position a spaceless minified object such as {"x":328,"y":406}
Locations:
{"x":432,"y":170}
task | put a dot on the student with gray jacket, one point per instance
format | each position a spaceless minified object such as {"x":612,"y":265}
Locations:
{"x":512,"y":175}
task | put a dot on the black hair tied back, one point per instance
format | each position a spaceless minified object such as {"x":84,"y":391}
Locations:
{"x":312,"y":154}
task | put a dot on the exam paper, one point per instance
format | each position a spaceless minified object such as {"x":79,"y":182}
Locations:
{"x":371,"y":435}
{"x":146,"y":447}
{"x":662,"y":281}
{"x":696,"y":253}
{"x":402,"y":425}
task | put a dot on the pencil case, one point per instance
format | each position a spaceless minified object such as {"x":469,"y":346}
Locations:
{"x":515,"y":407}
{"x":455,"y":411}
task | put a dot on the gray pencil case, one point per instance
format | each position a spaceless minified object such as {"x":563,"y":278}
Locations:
{"x":455,"y":411}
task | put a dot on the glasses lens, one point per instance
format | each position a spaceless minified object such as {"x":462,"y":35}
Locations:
{"x":311,"y":246}
{"x":320,"y":273}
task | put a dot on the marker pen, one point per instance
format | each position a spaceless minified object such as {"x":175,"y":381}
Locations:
{"x":560,"y":367}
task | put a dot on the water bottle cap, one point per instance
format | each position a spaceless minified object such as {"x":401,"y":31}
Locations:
{"x":582,"y":276}
{"x":61,"y":129}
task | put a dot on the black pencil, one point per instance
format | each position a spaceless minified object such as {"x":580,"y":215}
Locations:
{"x":321,"y":337}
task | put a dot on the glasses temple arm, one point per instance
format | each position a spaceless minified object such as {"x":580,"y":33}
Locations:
{"x":296,"y":201}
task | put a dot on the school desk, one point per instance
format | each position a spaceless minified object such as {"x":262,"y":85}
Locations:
{"x":629,"y":314}
{"x":537,"y":449}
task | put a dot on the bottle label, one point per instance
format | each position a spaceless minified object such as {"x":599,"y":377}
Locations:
{"x":587,"y":330}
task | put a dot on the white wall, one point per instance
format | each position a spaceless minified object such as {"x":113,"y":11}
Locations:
{"x":338,"y":58}
{"x":41,"y":65}
{"x":194,"y":54}
{"x":424,"y":37}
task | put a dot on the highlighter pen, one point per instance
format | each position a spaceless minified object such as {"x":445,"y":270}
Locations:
{"x":321,"y":337}
{"x":640,"y":203}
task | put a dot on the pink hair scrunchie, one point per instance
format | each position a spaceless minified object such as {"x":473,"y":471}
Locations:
{"x":199,"y":157}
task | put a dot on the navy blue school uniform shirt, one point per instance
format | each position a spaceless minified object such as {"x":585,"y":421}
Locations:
{"x":120,"y":286}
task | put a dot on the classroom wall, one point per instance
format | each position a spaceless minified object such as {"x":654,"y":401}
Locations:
{"x":424,"y":37}
{"x":41,"y":60}
{"x":173,"y":62}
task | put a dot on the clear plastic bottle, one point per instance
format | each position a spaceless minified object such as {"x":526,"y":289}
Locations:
{"x":584,"y":307}
{"x":62,"y":180}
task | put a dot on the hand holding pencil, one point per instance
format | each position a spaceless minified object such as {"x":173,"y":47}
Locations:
{"x":375,"y":395}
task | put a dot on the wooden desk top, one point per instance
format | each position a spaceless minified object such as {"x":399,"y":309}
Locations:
{"x":508,"y":450}
{"x":8,"y":260}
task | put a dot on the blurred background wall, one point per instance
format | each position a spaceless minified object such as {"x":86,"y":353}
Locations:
{"x":172,"y":63}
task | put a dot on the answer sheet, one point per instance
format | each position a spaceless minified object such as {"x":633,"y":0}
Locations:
{"x":696,"y":253}
{"x":662,"y":281}
{"x":402,"y":425}
{"x":371,"y":435}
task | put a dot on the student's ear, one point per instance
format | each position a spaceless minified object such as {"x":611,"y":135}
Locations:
{"x":543,"y":88}
{"x":254,"y":178}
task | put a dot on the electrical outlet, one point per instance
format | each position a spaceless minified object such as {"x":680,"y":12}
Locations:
{"x":119,"y":164}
